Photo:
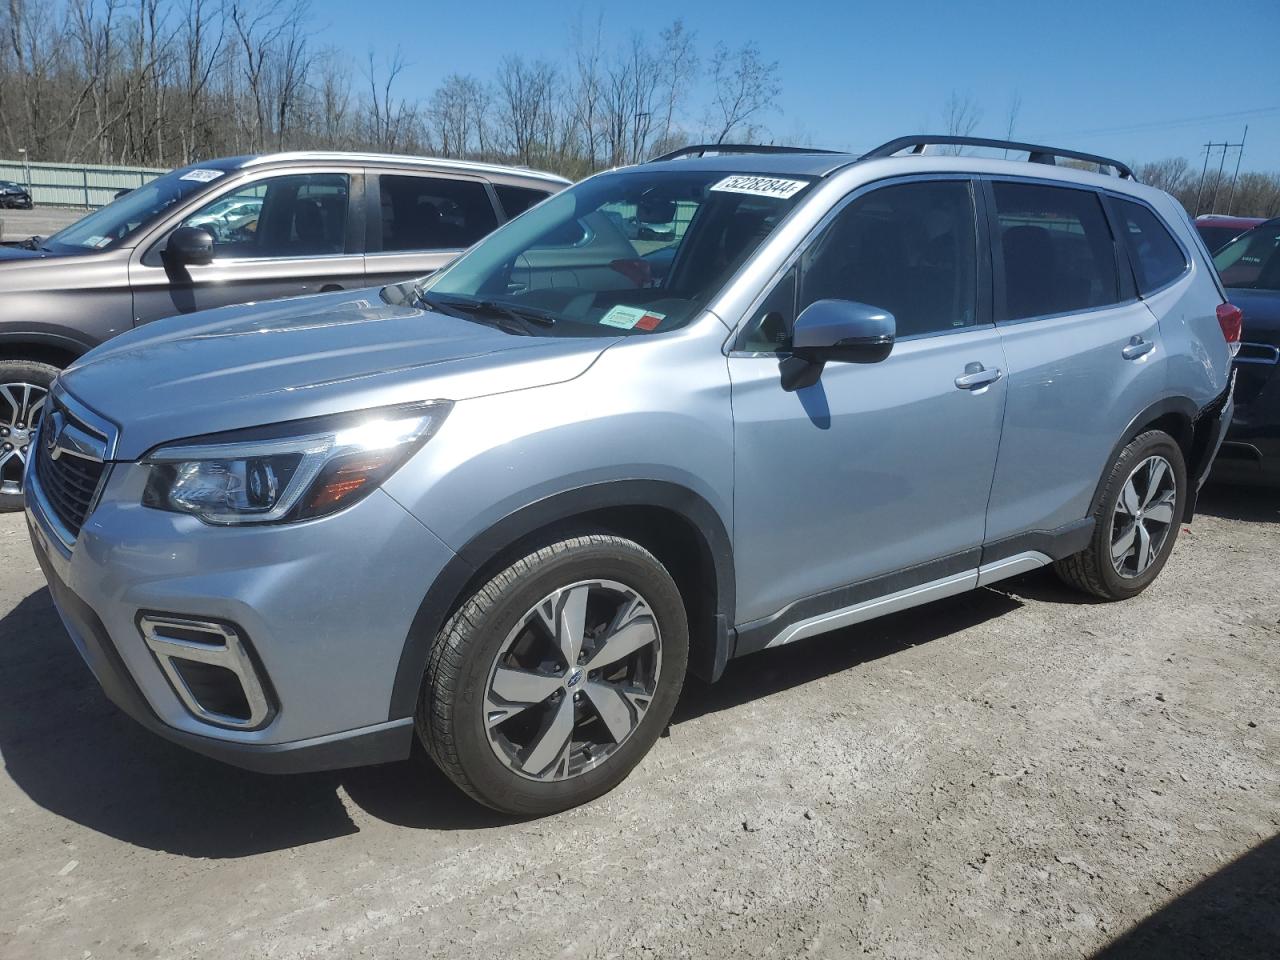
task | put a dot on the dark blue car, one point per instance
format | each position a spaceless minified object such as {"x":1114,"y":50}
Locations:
{"x":1250,"y":269}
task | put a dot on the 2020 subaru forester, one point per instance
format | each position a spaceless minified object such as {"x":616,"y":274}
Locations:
{"x":508,"y":506}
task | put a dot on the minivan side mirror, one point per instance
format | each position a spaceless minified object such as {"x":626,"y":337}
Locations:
{"x":842,"y":331}
{"x":189,"y":246}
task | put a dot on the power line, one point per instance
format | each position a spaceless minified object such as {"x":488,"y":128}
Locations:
{"x":1171,"y":124}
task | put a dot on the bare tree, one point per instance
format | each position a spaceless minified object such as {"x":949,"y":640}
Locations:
{"x":743,"y":87}
{"x":391,"y":117}
{"x":960,"y":117}
{"x":1015,"y":109}
{"x":457,"y":113}
{"x":202,"y":36}
{"x":293,"y":64}
{"x":679,"y":65}
{"x":525,"y":94}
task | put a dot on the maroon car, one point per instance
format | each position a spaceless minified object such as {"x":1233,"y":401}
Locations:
{"x":1217,"y":230}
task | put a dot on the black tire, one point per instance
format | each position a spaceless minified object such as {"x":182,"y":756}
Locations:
{"x":1092,"y":570}
{"x":14,"y":372}
{"x":450,"y":719}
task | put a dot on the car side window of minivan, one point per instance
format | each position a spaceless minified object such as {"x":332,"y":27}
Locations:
{"x":909,"y":248}
{"x":516,"y":200}
{"x":1156,"y":257}
{"x":1058,"y":251}
{"x":433,"y":213}
{"x":297,"y":215}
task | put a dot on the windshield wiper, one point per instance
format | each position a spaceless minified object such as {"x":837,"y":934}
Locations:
{"x":515,"y":311}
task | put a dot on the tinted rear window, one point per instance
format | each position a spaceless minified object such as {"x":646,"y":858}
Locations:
{"x":1059,"y":256}
{"x":1157,"y":258}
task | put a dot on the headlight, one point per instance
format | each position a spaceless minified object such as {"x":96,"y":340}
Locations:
{"x":291,"y":472}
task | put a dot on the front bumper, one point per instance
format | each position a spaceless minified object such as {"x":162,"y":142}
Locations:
{"x":326,"y":604}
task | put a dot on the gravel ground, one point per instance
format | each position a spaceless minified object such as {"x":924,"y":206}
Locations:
{"x":42,"y":221}
{"x":1012,"y":773}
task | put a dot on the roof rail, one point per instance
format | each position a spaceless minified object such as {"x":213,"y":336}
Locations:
{"x":702,"y":149}
{"x":1035,"y":152}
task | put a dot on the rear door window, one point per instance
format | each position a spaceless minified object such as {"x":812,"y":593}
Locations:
{"x":1059,"y":255}
{"x":1157,"y":259}
{"x":433,"y":213}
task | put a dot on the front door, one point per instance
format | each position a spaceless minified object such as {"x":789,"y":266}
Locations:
{"x":878,"y":472}
{"x":278,"y":236}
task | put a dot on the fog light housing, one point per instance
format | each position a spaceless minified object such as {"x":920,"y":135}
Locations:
{"x":211,"y":668}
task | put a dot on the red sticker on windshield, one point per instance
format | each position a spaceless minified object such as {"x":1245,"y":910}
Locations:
{"x":649,"y":321}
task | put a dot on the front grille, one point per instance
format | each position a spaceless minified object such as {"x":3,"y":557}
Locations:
{"x":70,"y":482}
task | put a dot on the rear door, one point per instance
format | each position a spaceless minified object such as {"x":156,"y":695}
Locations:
{"x":1084,"y":353}
{"x":420,"y":222}
{"x":275,"y":235}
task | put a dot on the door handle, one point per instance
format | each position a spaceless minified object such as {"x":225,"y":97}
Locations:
{"x":1137,"y":347}
{"x":976,"y":375}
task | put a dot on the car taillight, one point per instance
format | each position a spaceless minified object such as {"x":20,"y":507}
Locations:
{"x":1231,"y":320}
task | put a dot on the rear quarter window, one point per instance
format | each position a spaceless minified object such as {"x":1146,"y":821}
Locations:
{"x":1157,"y":259}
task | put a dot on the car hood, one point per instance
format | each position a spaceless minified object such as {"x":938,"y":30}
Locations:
{"x":1261,"y":313}
{"x":22,"y":253}
{"x":257,"y":364}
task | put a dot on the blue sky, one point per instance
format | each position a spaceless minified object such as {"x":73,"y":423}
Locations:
{"x":1135,"y":80}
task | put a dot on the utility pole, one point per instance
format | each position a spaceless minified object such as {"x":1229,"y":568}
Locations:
{"x":1209,"y":149}
{"x":1235,"y":176}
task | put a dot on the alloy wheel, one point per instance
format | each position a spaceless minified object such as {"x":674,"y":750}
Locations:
{"x":1143,"y":517}
{"x":572,"y":680}
{"x":20,"y":408}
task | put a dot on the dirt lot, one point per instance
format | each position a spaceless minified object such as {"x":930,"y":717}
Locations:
{"x":42,"y":221}
{"x":1013,"y":773}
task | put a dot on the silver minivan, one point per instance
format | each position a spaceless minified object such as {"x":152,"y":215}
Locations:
{"x":506,"y":508}
{"x":227,"y":231}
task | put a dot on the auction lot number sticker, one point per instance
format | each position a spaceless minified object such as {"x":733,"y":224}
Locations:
{"x":760,"y":186}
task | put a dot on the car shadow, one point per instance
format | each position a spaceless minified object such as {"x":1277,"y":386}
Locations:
{"x":79,"y":757}
{"x":1239,"y":502}
{"x":783,"y":668}
{"x":1235,"y":913}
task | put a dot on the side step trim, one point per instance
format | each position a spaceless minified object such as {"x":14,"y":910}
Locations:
{"x":911,"y":597}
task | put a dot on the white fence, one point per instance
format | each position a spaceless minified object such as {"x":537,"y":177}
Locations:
{"x":75,"y":184}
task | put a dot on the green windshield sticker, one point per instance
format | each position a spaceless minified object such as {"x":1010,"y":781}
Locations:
{"x":628,"y":318}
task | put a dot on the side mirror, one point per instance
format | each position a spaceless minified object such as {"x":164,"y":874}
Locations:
{"x":189,"y":246}
{"x":842,"y":331}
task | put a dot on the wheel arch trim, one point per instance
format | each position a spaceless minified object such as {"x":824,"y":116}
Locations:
{"x":1182,"y":407}
{"x":447,"y":590}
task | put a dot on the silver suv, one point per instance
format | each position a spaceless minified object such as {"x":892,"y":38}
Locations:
{"x":505,"y":509}
{"x":230,"y":231}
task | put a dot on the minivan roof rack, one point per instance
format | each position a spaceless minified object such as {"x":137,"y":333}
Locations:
{"x":1035,"y":152}
{"x":702,"y":149}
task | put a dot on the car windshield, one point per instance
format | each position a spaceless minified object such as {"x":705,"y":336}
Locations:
{"x":631,"y":252}
{"x":1215,"y":238}
{"x":1252,"y":260}
{"x":123,"y":217}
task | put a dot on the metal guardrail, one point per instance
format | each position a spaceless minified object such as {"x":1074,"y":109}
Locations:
{"x":75,"y":184}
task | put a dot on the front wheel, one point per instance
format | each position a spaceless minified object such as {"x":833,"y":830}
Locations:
{"x":24,"y":386}
{"x":1136,"y":521}
{"x":557,"y":676}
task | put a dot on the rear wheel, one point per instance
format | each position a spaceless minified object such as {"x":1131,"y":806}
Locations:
{"x":1136,"y":521}
{"x":24,"y":386}
{"x":556,"y":677}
